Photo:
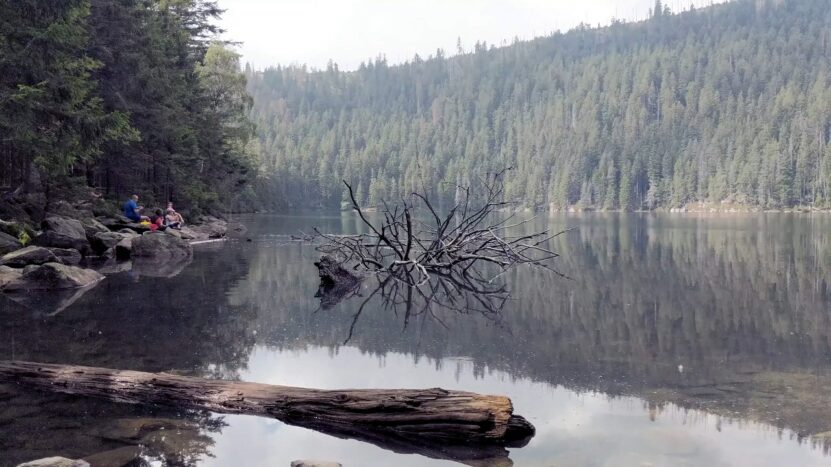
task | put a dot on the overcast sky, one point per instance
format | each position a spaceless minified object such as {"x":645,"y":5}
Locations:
{"x":351,"y":31}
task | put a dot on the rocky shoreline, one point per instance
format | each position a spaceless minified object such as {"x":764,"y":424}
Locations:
{"x":69,"y":253}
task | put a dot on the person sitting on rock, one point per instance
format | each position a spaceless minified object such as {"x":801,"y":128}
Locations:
{"x":132,"y":210}
{"x":157,"y":221}
{"x":173,"y":219}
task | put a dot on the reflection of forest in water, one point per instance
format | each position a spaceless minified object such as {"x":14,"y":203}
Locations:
{"x":145,"y":323}
{"x":726,"y":314}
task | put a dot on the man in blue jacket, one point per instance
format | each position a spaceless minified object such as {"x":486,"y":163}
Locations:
{"x":132,"y":210}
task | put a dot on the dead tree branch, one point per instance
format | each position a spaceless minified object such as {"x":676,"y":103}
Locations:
{"x":459,"y":246}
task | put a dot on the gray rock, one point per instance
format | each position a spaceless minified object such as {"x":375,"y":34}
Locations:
{"x":113,"y":266}
{"x":124,"y":248}
{"x":161,"y":245}
{"x":67,"y":256}
{"x":187,"y":234}
{"x":120,"y":222}
{"x":8,"y":274}
{"x":174,"y":232}
{"x":55,"y":462}
{"x":8,"y":243}
{"x":103,"y":241}
{"x":93,"y":226}
{"x":63,"y":233}
{"x":28,"y":255}
{"x":113,"y":223}
{"x":212,"y":228}
{"x":119,"y":457}
{"x":53,"y":276}
{"x":314,"y":463}
{"x":10,"y":228}
{"x":61,"y":208}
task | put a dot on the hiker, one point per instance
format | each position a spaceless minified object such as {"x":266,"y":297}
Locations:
{"x":173,"y":219}
{"x":132,"y":210}
{"x":157,"y":221}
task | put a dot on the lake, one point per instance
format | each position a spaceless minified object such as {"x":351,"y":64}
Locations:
{"x":676,"y":340}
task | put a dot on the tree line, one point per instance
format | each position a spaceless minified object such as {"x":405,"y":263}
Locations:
{"x":725,"y":104}
{"x":126,"y":96}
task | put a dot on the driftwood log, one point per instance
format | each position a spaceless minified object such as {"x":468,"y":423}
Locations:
{"x":403,"y":420}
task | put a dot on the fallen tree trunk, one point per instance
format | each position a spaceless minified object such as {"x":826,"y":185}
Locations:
{"x":400,"y":418}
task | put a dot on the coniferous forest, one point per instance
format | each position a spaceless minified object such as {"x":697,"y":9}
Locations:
{"x":126,"y":96}
{"x":725,"y":104}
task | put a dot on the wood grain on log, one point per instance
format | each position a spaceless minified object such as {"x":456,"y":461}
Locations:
{"x":401,"y":418}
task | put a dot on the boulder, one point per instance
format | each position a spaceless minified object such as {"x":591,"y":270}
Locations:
{"x":210,"y":228}
{"x":67,"y":256}
{"x":8,"y":243}
{"x":119,"y":457}
{"x":120,"y":222}
{"x":103,"y":241}
{"x":28,"y":255}
{"x":187,"y":234}
{"x":55,"y":462}
{"x":161,"y":245}
{"x":8,"y":274}
{"x":53,"y":276}
{"x":113,"y":266}
{"x":124,"y":248}
{"x":173,"y":232}
{"x":93,"y":226}
{"x":114,"y":223}
{"x":11,"y":229}
{"x":63,"y":233}
{"x":65,"y":209}
{"x":314,"y":463}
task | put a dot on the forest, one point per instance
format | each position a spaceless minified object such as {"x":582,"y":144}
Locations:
{"x":724,"y":105}
{"x":121,"y":96}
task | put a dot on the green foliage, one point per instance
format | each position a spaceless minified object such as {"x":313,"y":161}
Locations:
{"x":183,"y":92}
{"x":49,"y":113}
{"x":132,"y":95}
{"x":728,"y":103}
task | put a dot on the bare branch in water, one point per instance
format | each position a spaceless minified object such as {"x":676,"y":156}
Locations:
{"x":451,"y":246}
{"x":448,"y":262}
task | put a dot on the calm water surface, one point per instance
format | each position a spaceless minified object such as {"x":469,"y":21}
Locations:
{"x":679,"y":340}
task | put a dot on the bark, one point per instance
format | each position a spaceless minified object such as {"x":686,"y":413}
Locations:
{"x":435,"y":422}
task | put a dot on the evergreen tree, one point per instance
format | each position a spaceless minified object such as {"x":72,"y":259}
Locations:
{"x":726,"y":103}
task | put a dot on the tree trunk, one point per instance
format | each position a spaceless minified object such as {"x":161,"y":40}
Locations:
{"x":404,"y":420}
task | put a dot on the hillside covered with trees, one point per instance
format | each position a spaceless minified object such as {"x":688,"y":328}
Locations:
{"x":123,"y":96}
{"x":729,"y":103}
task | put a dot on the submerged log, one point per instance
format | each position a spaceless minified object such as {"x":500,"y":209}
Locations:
{"x":336,"y":282}
{"x":333,"y":274}
{"x":405,"y":420}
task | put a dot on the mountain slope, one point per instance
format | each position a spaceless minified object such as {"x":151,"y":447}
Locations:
{"x":727,"y":103}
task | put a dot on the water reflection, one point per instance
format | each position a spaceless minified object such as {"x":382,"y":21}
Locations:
{"x":681,"y":340}
{"x":573,"y":429}
{"x":48,"y":302}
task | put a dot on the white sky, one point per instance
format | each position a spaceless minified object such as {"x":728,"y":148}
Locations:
{"x":351,"y":31}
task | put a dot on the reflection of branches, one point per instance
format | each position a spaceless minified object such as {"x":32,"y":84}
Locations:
{"x":469,"y":293}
